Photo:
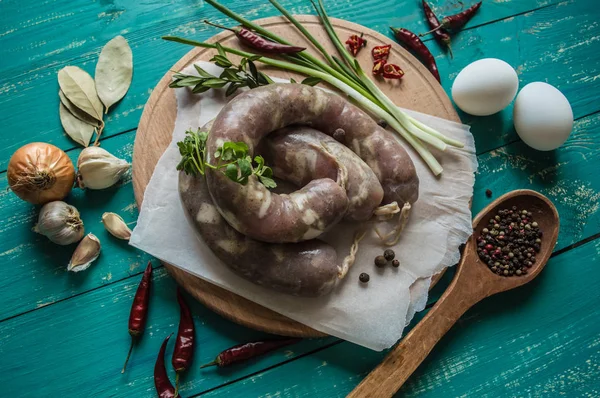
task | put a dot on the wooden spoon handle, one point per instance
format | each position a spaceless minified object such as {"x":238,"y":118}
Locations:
{"x":403,"y":360}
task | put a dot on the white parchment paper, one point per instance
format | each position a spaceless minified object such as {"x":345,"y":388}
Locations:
{"x":372,"y":315}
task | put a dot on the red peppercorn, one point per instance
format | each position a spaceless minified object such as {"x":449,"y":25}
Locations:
{"x":489,"y":246}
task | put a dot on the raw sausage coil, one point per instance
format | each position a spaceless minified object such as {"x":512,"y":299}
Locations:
{"x":307,"y":268}
{"x":302,"y":154}
{"x":255,"y":211}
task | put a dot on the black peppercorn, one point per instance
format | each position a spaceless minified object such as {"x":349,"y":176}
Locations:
{"x":389,"y":254}
{"x":364,"y":277}
{"x":396,"y":263}
{"x":509,"y":242}
{"x":488,"y":193}
{"x":380,"y":261}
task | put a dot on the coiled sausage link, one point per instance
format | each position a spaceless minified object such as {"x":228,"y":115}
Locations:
{"x":305,"y":214}
{"x":302,"y":154}
{"x":307,"y":268}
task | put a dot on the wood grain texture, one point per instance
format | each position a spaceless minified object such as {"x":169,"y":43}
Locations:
{"x":83,"y":341}
{"x":420,"y":91}
{"x":41,"y":39}
{"x":540,"y":340}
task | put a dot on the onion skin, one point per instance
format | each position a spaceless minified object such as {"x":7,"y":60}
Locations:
{"x":40,"y":173}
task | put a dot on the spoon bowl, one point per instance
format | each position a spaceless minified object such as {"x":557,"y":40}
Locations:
{"x":472,"y":282}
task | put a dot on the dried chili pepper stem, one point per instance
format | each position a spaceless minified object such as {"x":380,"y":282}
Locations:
{"x":440,"y":34}
{"x":183,"y":352}
{"x":163,"y":385}
{"x":260,"y":43}
{"x":242,"y":352}
{"x":139,"y":310}
{"x":456,"y":21}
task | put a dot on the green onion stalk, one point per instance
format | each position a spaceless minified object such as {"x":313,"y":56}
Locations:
{"x":346,"y":76}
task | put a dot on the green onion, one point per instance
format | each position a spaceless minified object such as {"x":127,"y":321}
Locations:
{"x":346,"y":76}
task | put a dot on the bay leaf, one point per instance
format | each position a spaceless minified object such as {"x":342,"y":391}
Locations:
{"x":78,"y":86}
{"x":80,"y":131}
{"x":75,"y":111}
{"x":114,"y":71}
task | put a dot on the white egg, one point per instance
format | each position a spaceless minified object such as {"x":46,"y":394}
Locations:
{"x":485,"y":87}
{"x":543,"y":116}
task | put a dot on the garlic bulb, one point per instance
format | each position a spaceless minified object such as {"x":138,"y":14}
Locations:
{"x":60,"y":222}
{"x":86,"y":252}
{"x":98,"y":169}
{"x":116,"y":226}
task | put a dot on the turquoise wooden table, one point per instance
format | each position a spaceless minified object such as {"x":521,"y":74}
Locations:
{"x":65,"y":335}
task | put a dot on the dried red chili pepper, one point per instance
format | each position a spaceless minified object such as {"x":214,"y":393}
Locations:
{"x":392,"y":71}
{"x":412,"y":41}
{"x":378,"y":66}
{"x":440,"y":34}
{"x":183,"y":352}
{"x":381,"y":52}
{"x":260,"y":43}
{"x":139,"y":309}
{"x":163,"y":385}
{"x":355,"y":43}
{"x":242,"y":352}
{"x":457,"y":21}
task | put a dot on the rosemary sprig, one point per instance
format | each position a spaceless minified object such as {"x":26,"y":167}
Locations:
{"x":231,"y":156}
{"x":245,"y":74}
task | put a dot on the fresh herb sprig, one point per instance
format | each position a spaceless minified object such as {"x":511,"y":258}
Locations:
{"x":245,"y":74}
{"x":231,"y":156}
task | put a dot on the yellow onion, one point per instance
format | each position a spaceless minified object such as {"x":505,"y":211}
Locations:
{"x":40,"y":173}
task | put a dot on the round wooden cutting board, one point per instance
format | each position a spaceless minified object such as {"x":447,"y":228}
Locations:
{"x":418,"y":90}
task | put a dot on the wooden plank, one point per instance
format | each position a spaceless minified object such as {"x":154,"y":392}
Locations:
{"x":558,"y":45}
{"x":38,"y":274}
{"x":540,"y":340}
{"x":33,"y":67}
{"x":86,"y":340}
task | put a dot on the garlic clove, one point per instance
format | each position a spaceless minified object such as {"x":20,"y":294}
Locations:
{"x":86,"y":252}
{"x":116,"y":226}
{"x":98,"y":169}
{"x":60,"y":223}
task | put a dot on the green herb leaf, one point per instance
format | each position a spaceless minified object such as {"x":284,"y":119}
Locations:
{"x":230,"y":75}
{"x":245,"y":167}
{"x":311,"y":81}
{"x":253,"y":70}
{"x":202,"y":72}
{"x":214,"y":83}
{"x":293,"y":81}
{"x":264,"y":79}
{"x":267,"y":181}
{"x":220,"y":49}
{"x":192,"y":150}
{"x":200,"y":89}
{"x":254,"y":58}
{"x":232,"y":172}
{"x":233,"y":150}
{"x":221,"y":61}
{"x":231,"y":89}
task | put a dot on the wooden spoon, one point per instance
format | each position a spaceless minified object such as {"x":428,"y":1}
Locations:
{"x":473,"y":282}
